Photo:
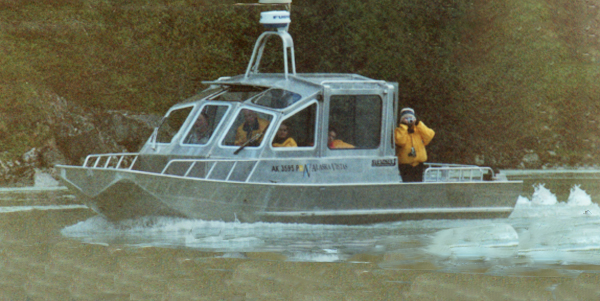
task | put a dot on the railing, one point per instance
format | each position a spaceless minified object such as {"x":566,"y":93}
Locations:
{"x":242,"y":170}
{"x":117,"y":160}
{"x":227,"y":170}
{"x":456,"y":173}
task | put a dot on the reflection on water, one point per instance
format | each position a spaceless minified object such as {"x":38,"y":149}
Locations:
{"x":548,"y":249}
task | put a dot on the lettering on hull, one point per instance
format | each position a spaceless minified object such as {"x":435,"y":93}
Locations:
{"x":383,"y":162}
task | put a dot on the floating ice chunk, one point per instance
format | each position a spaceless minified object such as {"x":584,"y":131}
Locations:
{"x":543,"y":196}
{"x":579,"y":197}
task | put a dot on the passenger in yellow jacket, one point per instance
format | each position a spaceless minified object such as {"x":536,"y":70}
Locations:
{"x":282,"y":138}
{"x":252,"y":126}
{"x":334,"y":143}
{"x":411,"y":137}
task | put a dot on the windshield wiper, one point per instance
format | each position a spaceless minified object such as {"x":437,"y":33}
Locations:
{"x":251,"y":140}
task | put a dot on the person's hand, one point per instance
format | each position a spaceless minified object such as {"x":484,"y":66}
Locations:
{"x":412,"y":122}
{"x":408,"y":120}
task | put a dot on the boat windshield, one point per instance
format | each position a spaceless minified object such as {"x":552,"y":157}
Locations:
{"x":171,"y":124}
{"x":248,"y":129}
{"x":205,"y":124}
{"x":238,"y":93}
{"x":276,"y":98}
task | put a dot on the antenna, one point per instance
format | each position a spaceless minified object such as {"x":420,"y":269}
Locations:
{"x":279,"y":20}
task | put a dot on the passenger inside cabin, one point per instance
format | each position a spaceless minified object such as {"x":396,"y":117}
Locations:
{"x":333,"y":142}
{"x":411,"y":135}
{"x":283,"y":137}
{"x":201,"y":132}
{"x":251,"y":131}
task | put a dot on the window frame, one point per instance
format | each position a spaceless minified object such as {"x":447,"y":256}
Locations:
{"x":185,"y":124}
{"x":233,"y":119}
{"x":380,"y":91}
{"x":290,"y":115}
{"x":215,"y":130}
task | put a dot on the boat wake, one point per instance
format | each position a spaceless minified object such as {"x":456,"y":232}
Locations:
{"x":540,"y":231}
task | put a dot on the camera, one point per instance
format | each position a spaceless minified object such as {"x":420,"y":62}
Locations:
{"x":408,"y":120}
{"x":412,"y":153}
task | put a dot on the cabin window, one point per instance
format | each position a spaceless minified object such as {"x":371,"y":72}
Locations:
{"x":238,"y":93}
{"x":354,"y":122}
{"x":277,"y":98}
{"x":171,"y":124}
{"x":204,"y":126}
{"x":298,"y":130}
{"x":248,"y":128}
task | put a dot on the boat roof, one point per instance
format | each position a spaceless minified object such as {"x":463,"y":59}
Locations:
{"x":301,"y":83}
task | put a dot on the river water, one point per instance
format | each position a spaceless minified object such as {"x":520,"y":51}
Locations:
{"x":53,"y":248}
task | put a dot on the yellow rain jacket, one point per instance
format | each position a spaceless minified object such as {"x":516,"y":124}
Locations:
{"x":340,"y":144}
{"x":289,"y":142}
{"x":241,"y":135}
{"x":405,"y":141}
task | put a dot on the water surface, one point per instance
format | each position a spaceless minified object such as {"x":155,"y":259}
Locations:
{"x":56,"y":249}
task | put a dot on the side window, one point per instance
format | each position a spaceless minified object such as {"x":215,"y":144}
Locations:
{"x":248,"y":128}
{"x":171,"y":124}
{"x":354,"y":122}
{"x":204,"y":126}
{"x":298,"y":130}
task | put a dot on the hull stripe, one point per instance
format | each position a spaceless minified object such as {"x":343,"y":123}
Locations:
{"x":389,"y":211}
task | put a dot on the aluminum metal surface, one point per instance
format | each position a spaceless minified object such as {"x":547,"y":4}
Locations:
{"x":123,"y":194}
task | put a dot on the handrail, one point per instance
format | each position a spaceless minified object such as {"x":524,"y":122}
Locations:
{"x":435,"y":172}
{"x":194,"y":161}
{"x":98,"y":158}
{"x":213,"y":163}
{"x":456,"y":173}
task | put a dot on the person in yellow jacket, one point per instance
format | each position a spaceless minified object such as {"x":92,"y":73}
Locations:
{"x":333,"y":142}
{"x":252,"y":126}
{"x":412,"y":135}
{"x":282,"y":138}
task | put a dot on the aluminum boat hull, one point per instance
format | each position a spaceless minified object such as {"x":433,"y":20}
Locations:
{"x":128,"y":194}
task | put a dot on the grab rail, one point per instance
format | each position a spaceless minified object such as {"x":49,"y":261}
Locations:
{"x":242,"y":170}
{"x":209,"y":171}
{"x":455,"y":173}
{"x":228,"y":170}
{"x":125,"y":160}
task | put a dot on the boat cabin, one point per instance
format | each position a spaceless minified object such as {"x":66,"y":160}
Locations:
{"x":334,"y":121}
{"x":339,"y":124}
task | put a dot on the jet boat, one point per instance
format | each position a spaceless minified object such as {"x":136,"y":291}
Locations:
{"x":221,"y":155}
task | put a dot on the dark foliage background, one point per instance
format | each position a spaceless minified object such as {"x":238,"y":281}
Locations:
{"x":495,"y":79}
